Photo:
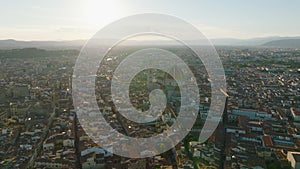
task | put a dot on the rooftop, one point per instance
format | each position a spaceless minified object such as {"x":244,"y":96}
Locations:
{"x":296,"y":157}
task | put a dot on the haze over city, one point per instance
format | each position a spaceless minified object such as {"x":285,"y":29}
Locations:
{"x":78,"y":19}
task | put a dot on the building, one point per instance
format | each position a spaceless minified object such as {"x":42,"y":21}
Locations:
{"x":253,"y":114}
{"x":3,"y":116}
{"x":295,"y":114}
{"x":294,"y":159}
{"x":136,"y":163}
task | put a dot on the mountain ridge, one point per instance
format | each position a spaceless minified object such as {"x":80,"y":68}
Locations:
{"x":274,"y":41}
{"x":288,"y":43}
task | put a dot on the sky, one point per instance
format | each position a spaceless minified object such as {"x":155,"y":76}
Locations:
{"x":80,"y":19}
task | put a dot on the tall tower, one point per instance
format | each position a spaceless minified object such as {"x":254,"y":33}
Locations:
{"x":13,"y":109}
{"x":223,"y":138}
{"x":70,"y":82}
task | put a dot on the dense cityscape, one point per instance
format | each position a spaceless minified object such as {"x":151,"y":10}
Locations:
{"x":260,"y":126}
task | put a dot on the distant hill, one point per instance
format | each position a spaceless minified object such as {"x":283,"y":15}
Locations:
{"x":14,"y":44}
{"x":35,"y":53}
{"x":293,"y":43}
{"x":243,"y":42}
{"x":77,"y":44}
{"x":48,"y":45}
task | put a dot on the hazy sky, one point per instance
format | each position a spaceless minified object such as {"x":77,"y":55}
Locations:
{"x":80,"y":19}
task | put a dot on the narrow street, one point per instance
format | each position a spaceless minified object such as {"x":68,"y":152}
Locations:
{"x":39,"y":147}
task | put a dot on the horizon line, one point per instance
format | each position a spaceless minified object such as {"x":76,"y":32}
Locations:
{"x":220,"y":38}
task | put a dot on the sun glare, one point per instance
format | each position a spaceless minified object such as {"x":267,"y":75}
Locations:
{"x":100,"y":12}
